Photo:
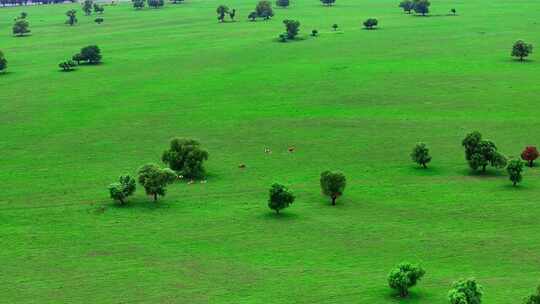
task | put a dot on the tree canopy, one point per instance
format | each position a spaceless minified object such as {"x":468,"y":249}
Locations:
{"x":465,"y":292}
{"x":333,"y":184}
{"x":3,"y":62}
{"x":280,"y":197}
{"x":420,"y":154}
{"x":124,"y":188}
{"x":186,"y":157}
{"x":405,"y":276}
{"x":480,"y":153}
{"x":530,"y":154}
{"x":521,"y":49}
{"x":21,"y":27}
{"x":154,"y":179}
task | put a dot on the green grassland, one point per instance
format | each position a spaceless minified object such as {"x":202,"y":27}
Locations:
{"x":351,"y":100}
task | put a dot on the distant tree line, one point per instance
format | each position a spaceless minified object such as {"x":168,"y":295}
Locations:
{"x":26,"y":2}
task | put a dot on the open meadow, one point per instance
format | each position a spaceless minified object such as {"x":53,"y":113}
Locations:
{"x":352,"y":100}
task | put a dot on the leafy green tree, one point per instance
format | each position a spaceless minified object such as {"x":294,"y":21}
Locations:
{"x":3,"y":62}
{"x":314,"y":33}
{"x":421,"y":7}
{"x":124,"y":188}
{"x":405,"y":276}
{"x":252,"y":16}
{"x":67,"y":66}
{"x":514,"y":169}
{"x":156,"y":3}
{"x":534,"y":298}
{"x":280,"y":198}
{"x":453,"y":11}
{"x":154,"y":179}
{"x":480,"y":153}
{"x":72,"y":17}
{"x":90,"y":54}
{"x":87,"y":7}
{"x":21,"y":27}
{"x":23,"y":15}
{"x":232,"y":13}
{"x":333,"y":184}
{"x":222,"y":10}
{"x":138,"y":4}
{"x":292,"y":27}
{"x":335,"y":26}
{"x":530,"y":154}
{"x":370,"y":23}
{"x":407,"y":6}
{"x":98,"y":9}
{"x":282,"y":3}
{"x":420,"y":154}
{"x":282,"y":37}
{"x":98,"y":20}
{"x":328,"y":2}
{"x":465,"y":292}
{"x":521,"y":49}
{"x":186,"y":157}
{"x":264,"y":9}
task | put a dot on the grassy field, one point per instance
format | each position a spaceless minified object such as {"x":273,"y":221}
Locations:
{"x":352,"y":100}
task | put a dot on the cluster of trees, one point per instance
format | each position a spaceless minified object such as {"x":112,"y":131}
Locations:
{"x":262,"y":10}
{"x":282,"y":3}
{"x":25,"y":2}
{"x":21,"y":26}
{"x":90,"y":54}
{"x":418,"y":6}
{"x":89,"y":5}
{"x":223,"y":10}
{"x":332,"y":185}
{"x":481,"y":153}
{"x":184,"y":158}
{"x":139,"y":4}
{"x":328,"y":2}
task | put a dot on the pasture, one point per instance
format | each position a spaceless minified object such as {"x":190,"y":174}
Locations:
{"x":350,"y":100}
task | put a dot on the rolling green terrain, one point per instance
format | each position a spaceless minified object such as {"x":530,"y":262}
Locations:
{"x":352,"y":100}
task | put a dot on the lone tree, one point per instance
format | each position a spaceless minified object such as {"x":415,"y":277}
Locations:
{"x":138,"y":4}
{"x":3,"y":62}
{"x":521,"y":49}
{"x":21,"y":27}
{"x":280,"y":198}
{"x":72,"y":17}
{"x":186,"y":157}
{"x":156,"y":3}
{"x":90,"y":54}
{"x":222,"y":10}
{"x":405,"y":276}
{"x":67,"y":66}
{"x":480,"y":153}
{"x":370,"y":23}
{"x":252,"y":16}
{"x":333,"y":184}
{"x":328,"y":2}
{"x":87,"y":7}
{"x":407,"y":6}
{"x":264,"y":9}
{"x":282,"y":3}
{"x":530,"y":154}
{"x":98,"y":9}
{"x":232,"y":13}
{"x":335,"y":26}
{"x":465,"y":292}
{"x":534,"y":298}
{"x":98,"y":20}
{"x":314,"y":33}
{"x":421,"y":7}
{"x":155,"y":180}
{"x":292,"y":27}
{"x":514,"y":169}
{"x":420,"y":154}
{"x":124,"y":188}
{"x":453,"y":11}
{"x":23,"y":15}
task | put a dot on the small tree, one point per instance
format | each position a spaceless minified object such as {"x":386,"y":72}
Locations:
{"x":465,"y":292}
{"x":421,"y":6}
{"x":87,"y":7}
{"x":291,"y":28}
{"x":280,"y":198}
{"x":514,"y":169}
{"x":221,"y":11}
{"x":530,"y":154}
{"x":534,"y":298}
{"x":72,"y":17}
{"x":480,"y":153}
{"x":282,"y":38}
{"x":521,"y":49}
{"x":98,"y":9}
{"x":264,"y":9}
{"x":453,"y":11}
{"x":67,"y":66}
{"x":282,"y":3}
{"x":370,"y":23}
{"x":124,"y":188}
{"x":98,"y":20}
{"x":407,"y":6}
{"x":333,"y":184}
{"x":3,"y":62}
{"x":138,"y":4}
{"x":232,"y":13}
{"x":328,"y":2}
{"x":155,"y":180}
{"x":252,"y":16}
{"x":156,"y":3}
{"x":21,"y":27}
{"x":335,"y":26}
{"x":314,"y":33}
{"x":90,"y":54}
{"x":177,"y":1}
{"x":186,"y":157}
{"x":420,"y":154}
{"x":23,"y":15}
{"x":405,"y":276}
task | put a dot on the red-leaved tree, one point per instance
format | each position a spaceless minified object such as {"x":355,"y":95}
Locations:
{"x":530,"y":154}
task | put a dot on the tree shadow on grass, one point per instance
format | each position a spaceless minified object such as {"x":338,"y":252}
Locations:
{"x":143,"y":203}
{"x":413,"y":297}
{"x":282,"y":216}
{"x":429,"y":171}
{"x":490,"y":173}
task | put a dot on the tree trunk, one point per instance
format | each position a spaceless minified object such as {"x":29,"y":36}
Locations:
{"x":121,"y":201}
{"x":155,"y":197}
{"x":530,"y":163}
{"x":424,"y":165}
{"x":514,"y":183}
{"x":484,"y":168}
{"x":334,"y":200}
{"x":277,"y":211}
